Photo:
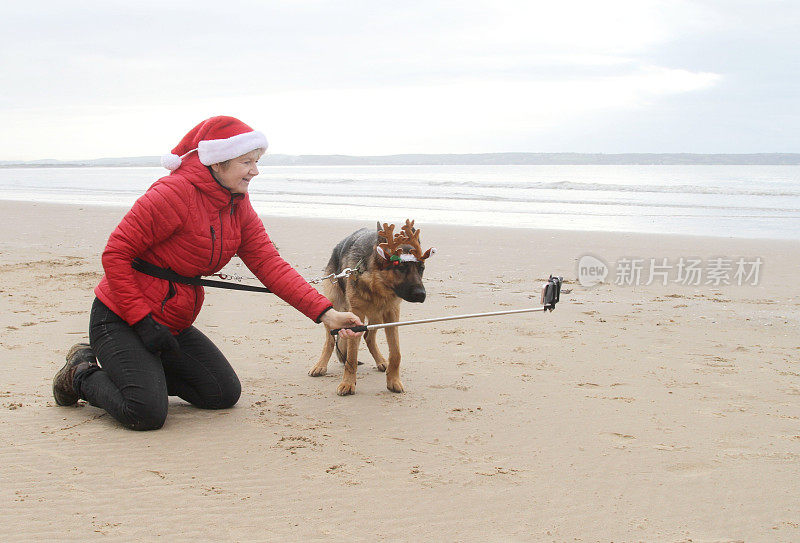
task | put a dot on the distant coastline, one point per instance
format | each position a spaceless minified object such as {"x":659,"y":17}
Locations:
{"x":454,"y":159}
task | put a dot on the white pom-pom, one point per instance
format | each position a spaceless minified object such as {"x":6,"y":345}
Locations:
{"x":171,"y":162}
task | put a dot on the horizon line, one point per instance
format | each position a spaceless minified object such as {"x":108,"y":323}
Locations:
{"x":498,"y":158}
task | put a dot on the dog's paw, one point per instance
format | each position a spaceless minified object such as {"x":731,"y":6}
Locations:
{"x":346,"y":389}
{"x":318,"y":371}
{"x":381,"y":366}
{"x":394,"y":385}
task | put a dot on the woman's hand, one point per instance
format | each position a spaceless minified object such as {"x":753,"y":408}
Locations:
{"x":338,"y":319}
{"x":157,"y":338}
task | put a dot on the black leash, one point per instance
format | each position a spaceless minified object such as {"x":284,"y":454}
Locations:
{"x":165,"y":273}
{"x":341,"y":356}
{"x":169,"y":275}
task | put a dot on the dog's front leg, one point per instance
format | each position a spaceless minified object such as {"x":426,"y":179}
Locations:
{"x":393,"y":382}
{"x":348,"y":384}
{"x":321,"y":367}
{"x":372,"y":345}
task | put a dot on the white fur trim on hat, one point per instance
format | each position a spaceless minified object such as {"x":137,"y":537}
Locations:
{"x":215,"y":151}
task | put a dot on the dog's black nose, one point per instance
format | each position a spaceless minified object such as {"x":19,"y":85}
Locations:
{"x":417,"y":294}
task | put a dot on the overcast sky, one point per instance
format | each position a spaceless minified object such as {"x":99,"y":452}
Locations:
{"x":113,"y":78}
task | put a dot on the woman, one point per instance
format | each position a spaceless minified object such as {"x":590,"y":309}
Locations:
{"x":191,"y":222}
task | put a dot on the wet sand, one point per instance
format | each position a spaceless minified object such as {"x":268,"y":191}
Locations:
{"x":631,"y":413}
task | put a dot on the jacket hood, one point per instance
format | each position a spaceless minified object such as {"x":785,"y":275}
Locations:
{"x":201,"y":177}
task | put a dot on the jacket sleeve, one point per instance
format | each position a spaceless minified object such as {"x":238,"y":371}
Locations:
{"x":155,"y":216}
{"x":260,"y":256}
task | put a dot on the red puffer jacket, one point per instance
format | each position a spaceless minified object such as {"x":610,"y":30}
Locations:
{"x":191,"y":224}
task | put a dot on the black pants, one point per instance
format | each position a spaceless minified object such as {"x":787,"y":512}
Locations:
{"x":134,"y":384}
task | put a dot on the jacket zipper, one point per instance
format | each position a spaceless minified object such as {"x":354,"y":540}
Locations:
{"x":195,"y":299}
{"x":213,"y":243}
{"x":214,"y":234}
{"x":171,"y":292}
{"x":219,"y":258}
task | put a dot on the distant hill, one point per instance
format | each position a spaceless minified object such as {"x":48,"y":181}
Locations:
{"x":452,"y":159}
{"x":99,"y":162}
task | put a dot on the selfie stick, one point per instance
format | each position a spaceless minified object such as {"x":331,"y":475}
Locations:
{"x":550,"y":295}
{"x":424,"y":321}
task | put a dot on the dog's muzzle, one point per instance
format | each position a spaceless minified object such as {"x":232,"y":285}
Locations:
{"x":414,"y":294}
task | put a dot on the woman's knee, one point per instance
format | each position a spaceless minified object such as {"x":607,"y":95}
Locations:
{"x":229,"y":393}
{"x":146,"y":416}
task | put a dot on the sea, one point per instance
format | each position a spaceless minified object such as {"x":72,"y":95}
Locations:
{"x":726,"y":201}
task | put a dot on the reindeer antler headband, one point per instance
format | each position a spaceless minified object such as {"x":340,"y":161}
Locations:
{"x":392,"y":251}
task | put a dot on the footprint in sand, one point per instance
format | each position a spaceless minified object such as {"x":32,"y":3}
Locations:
{"x":690,"y":468}
{"x":619,"y":438}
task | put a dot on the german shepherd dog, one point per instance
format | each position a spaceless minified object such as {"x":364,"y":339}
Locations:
{"x":389,"y":269}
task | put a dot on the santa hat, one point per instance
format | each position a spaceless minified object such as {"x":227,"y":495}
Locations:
{"x":216,"y":140}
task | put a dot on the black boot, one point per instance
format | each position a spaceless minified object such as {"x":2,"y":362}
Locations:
{"x":79,"y":358}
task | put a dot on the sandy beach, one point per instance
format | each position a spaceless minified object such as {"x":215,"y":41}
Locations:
{"x":633,"y":412}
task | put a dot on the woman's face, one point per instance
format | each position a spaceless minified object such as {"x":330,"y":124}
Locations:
{"x":237,"y":173}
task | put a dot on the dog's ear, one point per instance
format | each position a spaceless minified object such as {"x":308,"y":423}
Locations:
{"x":380,"y":229}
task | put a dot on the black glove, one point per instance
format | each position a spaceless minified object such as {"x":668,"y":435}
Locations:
{"x":157,"y":337}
